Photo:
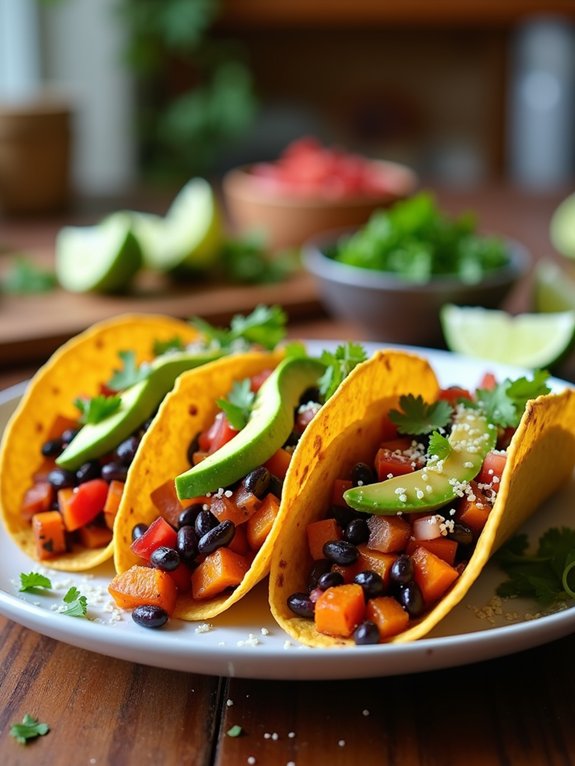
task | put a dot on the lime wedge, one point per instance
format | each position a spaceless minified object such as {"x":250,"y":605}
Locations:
{"x":554,"y":288}
{"x":100,"y":258}
{"x":528,"y":340}
{"x":562,"y":227}
{"x":189,"y":237}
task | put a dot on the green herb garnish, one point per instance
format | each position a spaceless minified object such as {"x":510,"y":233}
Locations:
{"x":33,"y":580}
{"x":97,"y":409}
{"x":235,"y":731}
{"x":545,"y":575}
{"x":505,"y":403}
{"x":24,"y":277}
{"x":439,"y":445}
{"x":419,"y":417}
{"x":247,"y":260}
{"x":238,"y":405}
{"x":129,"y":374}
{"x":30,"y":728}
{"x":77,"y":605}
{"x":172,"y":344}
{"x":338,"y":366}
{"x":265,"y":326}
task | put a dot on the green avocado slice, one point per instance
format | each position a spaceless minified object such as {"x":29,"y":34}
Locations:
{"x":137,"y":404}
{"x":471,"y":438}
{"x":269,"y":426}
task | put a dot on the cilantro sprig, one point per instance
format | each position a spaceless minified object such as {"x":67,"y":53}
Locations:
{"x":505,"y":402}
{"x":161,"y":347}
{"x":339,"y":364}
{"x":418,"y":417}
{"x":29,"y":729}
{"x":25,"y":277}
{"x":265,"y":326}
{"x":439,"y":445}
{"x":76,"y":604}
{"x":545,"y":575}
{"x":97,"y":409}
{"x":238,"y":404}
{"x":129,"y":373}
{"x":30,"y":581}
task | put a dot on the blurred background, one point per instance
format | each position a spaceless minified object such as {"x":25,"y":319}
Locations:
{"x":156,"y":91}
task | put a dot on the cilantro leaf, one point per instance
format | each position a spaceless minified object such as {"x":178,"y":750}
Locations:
{"x":26,"y":278}
{"x":522,"y":389}
{"x":419,"y":417}
{"x":97,"y":409}
{"x":33,"y":580}
{"x":505,"y":403}
{"x":339,"y":364}
{"x":77,"y":605}
{"x":172,"y":344}
{"x":235,"y":731}
{"x":439,"y":445}
{"x":265,"y":327}
{"x":129,"y":374}
{"x":238,"y":405}
{"x":30,"y":728}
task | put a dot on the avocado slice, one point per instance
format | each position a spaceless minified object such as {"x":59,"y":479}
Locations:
{"x":269,"y":426}
{"x":471,"y":438}
{"x":137,"y":404}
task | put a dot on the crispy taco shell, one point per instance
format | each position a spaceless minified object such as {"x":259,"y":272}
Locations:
{"x":188,"y":409}
{"x":540,"y":458}
{"x":77,"y":368}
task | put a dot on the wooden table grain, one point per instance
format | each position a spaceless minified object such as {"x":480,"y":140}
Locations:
{"x":516,"y":710}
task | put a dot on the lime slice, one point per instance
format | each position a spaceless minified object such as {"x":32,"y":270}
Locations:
{"x":189,"y":236}
{"x":562,"y":227}
{"x":101,"y":258}
{"x":527,"y":340}
{"x":554,"y":288}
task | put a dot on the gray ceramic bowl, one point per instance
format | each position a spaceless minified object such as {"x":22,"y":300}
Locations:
{"x":396,"y":311}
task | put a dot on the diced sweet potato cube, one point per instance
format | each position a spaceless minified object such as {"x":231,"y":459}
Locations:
{"x":279,"y":462}
{"x":237,"y":508}
{"x":388,"y":534}
{"x":239,"y":543}
{"x":95,"y":536}
{"x":37,"y":498}
{"x":433,"y":575}
{"x":166,"y":500}
{"x":389,"y":616}
{"x":319,"y":533}
{"x":260,"y":524}
{"x":339,"y":610}
{"x":49,"y":534}
{"x":347,"y":572}
{"x":375,"y":561}
{"x":339,"y":487}
{"x":140,"y":585}
{"x":113,"y":497}
{"x":219,"y":570}
{"x":443,"y":547}
{"x":473,"y":513}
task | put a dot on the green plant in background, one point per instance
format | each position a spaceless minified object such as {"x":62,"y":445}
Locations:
{"x":196,"y":91}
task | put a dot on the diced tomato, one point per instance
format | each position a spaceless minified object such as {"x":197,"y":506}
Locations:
{"x":388,"y":429}
{"x":488,"y":381}
{"x":278,"y":463}
{"x":256,"y":381}
{"x":81,"y":505}
{"x":37,"y":498}
{"x":492,"y":469}
{"x":220,"y":433}
{"x":339,"y":487}
{"x":400,"y":444}
{"x":158,"y":533}
{"x":453,"y":394}
{"x":388,"y":462}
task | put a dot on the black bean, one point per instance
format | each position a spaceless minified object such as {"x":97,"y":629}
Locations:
{"x":343,"y":515}
{"x":189,"y":515}
{"x":366,"y":633}
{"x":60,"y":478}
{"x":258,"y":481}
{"x":319,"y":568}
{"x":114,"y":471}
{"x":126,"y":450}
{"x":340,"y":552}
{"x":276,"y":486}
{"x":292,"y":439}
{"x":356,"y":531}
{"x":165,"y":558}
{"x":310,"y":395}
{"x":138,"y":531}
{"x":411,"y":599}
{"x":187,"y":543}
{"x":205,"y":520}
{"x":362,"y":473}
{"x":150,"y":616}
{"x":218,"y":537}
{"x":88,"y":471}
{"x":330,"y":580}
{"x":402,"y":569}
{"x":301,"y":604}
{"x":371,"y":583}
{"x":52,"y":448}
{"x":69,"y":434}
{"x":461,"y":534}
{"x":146,"y":424}
{"x":193,"y":447}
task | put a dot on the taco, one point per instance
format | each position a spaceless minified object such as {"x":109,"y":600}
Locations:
{"x":67,"y":449}
{"x":413,"y":489}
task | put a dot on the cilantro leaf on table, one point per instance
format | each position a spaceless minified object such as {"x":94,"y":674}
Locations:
{"x":30,"y":728}
{"x":235,"y":731}
{"x":238,"y":404}
{"x":172,"y":344}
{"x":77,"y":605}
{"x":97,"y":409}
{"x":544,"y":575}
{"x":439,"y":445}
{"x":25,"y":277}
{"x":129,"y":374}
{"x":33,"y":580}
{"x":339,"y":364}
{"x":265,"y":326}
{"x":418,"y":417}
{"x":504,"y":404}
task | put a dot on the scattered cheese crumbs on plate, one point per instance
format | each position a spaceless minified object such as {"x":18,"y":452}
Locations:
{"x":341,"y":743}
{"x":229,"y":703}
{"x":264,"y":632}
{"x":251,"y":640}
{"x":205,"y":627}
{"x":291,"y":734}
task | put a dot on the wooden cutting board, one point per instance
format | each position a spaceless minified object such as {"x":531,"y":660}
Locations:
{"x":32,"y":326}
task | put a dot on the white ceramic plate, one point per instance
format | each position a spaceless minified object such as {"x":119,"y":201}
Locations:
{"x":246,"y":642}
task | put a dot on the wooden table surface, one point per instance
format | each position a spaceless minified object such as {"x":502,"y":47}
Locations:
{"x":513,"y":710}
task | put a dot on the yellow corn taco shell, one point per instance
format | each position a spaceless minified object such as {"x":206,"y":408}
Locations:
{"x":76,"y":369}
{"x":189,"y":408}
{"x":540,"y":458}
